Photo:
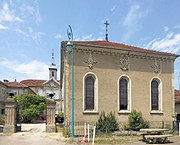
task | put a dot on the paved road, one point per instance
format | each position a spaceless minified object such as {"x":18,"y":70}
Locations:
{"x":34,"y":134}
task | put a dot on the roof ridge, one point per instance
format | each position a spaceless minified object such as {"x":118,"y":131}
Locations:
{"x":105,"y":43}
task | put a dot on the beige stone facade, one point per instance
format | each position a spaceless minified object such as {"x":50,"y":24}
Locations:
{"x":3,"y":96}
{"x":110,"y":62}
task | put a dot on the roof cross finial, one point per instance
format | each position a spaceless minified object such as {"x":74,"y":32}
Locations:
{"x":106,"y":23}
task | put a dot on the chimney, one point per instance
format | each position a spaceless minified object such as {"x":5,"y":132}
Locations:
{"x":5,"y":81}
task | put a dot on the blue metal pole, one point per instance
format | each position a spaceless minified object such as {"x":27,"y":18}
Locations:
{"x":72,"y":92}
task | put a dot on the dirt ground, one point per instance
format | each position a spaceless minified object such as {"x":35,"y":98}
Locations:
{"x":34,"y":134}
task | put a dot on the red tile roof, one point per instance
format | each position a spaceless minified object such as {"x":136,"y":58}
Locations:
{"x":16,"y":84}
{"x":33,"y":83}
{"x":177,"y":96}
{"x":3,"y":83}
{"x":109,"y":44}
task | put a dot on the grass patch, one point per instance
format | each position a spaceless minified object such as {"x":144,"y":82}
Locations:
{"x":117,"y":140}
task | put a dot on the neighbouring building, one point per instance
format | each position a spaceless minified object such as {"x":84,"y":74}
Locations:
{"x":18,"y":88}
{"x":46,"y":87}
{"x":3,"y":96}
{"x":116,"y":77}
{"x":35,"y":86}
{"x":177,"y":103}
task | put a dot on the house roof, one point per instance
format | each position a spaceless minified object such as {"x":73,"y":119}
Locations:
{"x":52,"y":79}
{"x":3,"y":83}
{"x":109,"y":44}
{"x":16,"y":84}
{"x":177,"y":96}
{"x":33,"y":83}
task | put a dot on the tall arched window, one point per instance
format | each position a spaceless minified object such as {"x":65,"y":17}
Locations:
{"x":123,"y":93}
{"x":89,"y":92}
{"x":154,"y":95}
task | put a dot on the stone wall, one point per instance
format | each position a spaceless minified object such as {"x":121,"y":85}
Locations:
{"x":141,"y":69}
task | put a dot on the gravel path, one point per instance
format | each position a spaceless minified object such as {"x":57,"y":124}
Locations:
{"x":34,"y":134}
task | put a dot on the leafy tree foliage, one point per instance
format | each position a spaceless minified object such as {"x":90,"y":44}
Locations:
{"x":136,"y":121}
{"x":30,"y":106}
{"x":2,"y":119}
{"x":107,"y":123}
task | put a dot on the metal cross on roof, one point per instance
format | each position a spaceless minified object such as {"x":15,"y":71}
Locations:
{"x":106,"y":23}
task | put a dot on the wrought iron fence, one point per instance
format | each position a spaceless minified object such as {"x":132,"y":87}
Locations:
{"x":79,"y":126}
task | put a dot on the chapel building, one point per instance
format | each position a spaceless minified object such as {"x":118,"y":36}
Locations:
{"x":115,"y":77}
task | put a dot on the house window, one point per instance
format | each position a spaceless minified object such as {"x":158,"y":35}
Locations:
{"x":123,"y":93}
{"x":154,"y":95}
{"x":90,"y":92}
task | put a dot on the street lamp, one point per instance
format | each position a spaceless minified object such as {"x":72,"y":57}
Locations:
{"x":70,"y":49}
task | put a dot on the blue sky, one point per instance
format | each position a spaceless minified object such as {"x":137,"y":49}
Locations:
{"x":30,"y":29}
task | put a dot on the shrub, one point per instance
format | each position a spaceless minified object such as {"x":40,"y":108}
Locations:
{"x":107,"y":123}
{"x":2,"y":119}
{"x":136,"y":121}
{"x":60,"y":117}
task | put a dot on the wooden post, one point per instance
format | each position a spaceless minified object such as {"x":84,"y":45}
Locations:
{"x":94,"y":135}
{"x":88,"y":132}
{"x":179,"y":128}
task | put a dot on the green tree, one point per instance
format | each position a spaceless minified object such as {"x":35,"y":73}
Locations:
{"x":30,"y":106}
{"x":2,"y":119}
{"x":136,"y":121}
{"x":107,"y":123}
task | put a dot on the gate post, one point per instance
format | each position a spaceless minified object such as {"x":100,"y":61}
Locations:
{"x":50,"y":116}
{"x":10,"y":116}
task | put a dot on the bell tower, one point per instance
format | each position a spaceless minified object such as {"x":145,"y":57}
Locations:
{"x":53,"y":68}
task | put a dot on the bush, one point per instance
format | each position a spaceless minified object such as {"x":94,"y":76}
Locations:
{"x":60,"y":118}
{"x":2,"y":119}
{"x":136,"y":121}
{"x":107,"y":123}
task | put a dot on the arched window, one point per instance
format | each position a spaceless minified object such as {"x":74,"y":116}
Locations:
{"x":89,"y":92}
{"x":123,"y":93}
{"x":52,"y":74}
{"x":154,"y":95}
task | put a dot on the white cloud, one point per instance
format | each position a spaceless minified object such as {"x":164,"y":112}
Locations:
{"x":3,"y":27}
{"x":85,"y":38}
{"x":133,"y":15}
{"x":171,"y":43}
{"x":113,"y":8}
{"x":20,"y":31}
{"x":37,"y":36}
{"x":31,"y":12}
{"x":57,"y":36}
{"x":166,"y":28}
{"x":88,"y":37}
{"x":132,"y":21}
{"x":34,"y":69}
{"x":8,"y":16}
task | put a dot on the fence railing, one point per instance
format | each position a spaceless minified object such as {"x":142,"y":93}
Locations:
{"x":79,"y":126}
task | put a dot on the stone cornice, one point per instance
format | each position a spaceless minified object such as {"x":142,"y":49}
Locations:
{"x":124,"y":53}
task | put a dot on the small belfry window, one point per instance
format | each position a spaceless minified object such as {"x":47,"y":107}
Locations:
{"x":123,"y":94}
{"x":154,"y":95}
{"x":89,"y":93}
{"x":52,"y":74}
